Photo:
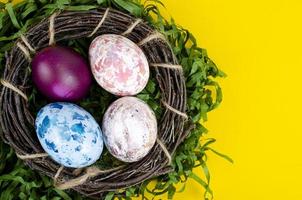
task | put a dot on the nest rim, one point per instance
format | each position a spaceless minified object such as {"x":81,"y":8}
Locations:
{"x":16,"y":117}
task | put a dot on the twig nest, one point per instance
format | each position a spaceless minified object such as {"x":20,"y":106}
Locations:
{"x":61,"y":74}
{"x":129,"y":129}
{"x":16,"y":115}
{"x":69,"y":134}
{"x":118,"y":65}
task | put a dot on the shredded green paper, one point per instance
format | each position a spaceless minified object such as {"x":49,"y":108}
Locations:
{"x":17,"y":181}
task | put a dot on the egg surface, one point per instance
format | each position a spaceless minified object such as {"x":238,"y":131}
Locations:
{"x":69,"y":134}
{"x":129,"y":129}
{"x":61,"y":74}
{"x":118,"y":65}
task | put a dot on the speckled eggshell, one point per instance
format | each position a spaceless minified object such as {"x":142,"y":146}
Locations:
{"x":118,"y":65}
{"x":129,"y":129}
{"x":69,"y":134}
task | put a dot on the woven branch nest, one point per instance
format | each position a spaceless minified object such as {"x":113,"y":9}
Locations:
{"x":17,"y":121}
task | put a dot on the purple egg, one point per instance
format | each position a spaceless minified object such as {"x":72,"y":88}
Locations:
{"x":61,"y":74}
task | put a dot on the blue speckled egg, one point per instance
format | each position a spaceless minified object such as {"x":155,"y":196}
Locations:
{"x":69,"y":134}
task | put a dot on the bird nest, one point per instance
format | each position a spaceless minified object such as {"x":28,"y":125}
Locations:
{"x":17,"y":119}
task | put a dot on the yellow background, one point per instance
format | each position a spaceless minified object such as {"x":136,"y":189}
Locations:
{"x":258,"y":44}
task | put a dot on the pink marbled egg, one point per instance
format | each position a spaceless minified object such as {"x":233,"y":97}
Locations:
{"x":118,"y":65}
{"x":129,"y":129}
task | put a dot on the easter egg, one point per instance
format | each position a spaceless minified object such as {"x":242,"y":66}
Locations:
{"x":69,"y":134}
{"x":118,"y":65}
{"x":129,"y":129}
{"x":61,"y":74}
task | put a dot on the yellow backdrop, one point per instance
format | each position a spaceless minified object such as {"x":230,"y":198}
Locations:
{"x":257,"y":43}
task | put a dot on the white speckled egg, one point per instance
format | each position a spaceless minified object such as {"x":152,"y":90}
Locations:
{"x":129,"y":129}
{"x":118,"y":65}
{"x":69,"y":134}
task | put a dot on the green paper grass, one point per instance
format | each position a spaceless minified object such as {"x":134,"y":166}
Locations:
{"x":17,"y":181}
